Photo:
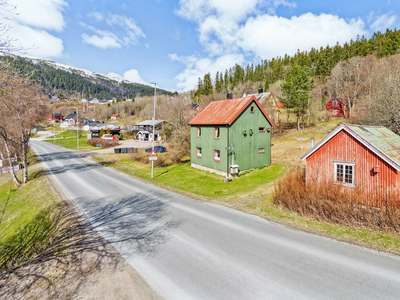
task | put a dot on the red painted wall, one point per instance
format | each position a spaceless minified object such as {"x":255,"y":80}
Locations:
{"x":344,"y":147}
{"x":340,"y":108}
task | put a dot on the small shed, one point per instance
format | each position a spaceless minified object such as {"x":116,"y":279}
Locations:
{"x":115,"y":117}
{"x":336,"y":108}
{"x":363,"y":158}
{"x":55,"y":118}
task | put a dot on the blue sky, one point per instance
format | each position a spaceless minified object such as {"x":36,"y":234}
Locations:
{"x":174,"y":42}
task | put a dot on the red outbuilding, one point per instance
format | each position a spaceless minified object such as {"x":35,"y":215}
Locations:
{"x":55,"y":118}
{"x":336,"y":108}
{"x":355,"y":156}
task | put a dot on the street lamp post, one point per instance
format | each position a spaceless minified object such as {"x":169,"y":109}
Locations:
{"x":77,"y":129}
{"x":154,"y":120}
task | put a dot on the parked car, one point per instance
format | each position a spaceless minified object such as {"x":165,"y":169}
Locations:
{"x":157,"y":149}
{"x":109,"y":137}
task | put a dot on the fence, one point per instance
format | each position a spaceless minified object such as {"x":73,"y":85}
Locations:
{"x":8,"y":169}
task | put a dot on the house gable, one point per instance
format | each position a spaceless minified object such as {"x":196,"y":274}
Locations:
{"x":367,"y":144}
{"x":249,"y":134}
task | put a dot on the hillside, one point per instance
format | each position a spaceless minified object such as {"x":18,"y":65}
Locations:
{"x":73,"y":82}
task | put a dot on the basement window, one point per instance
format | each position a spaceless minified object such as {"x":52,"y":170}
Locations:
{"x":198,"y":152}
{"x":252,"y":109}
{"x":198,"y":132}
{"x":261,"y":150}
{"x":261,"y":129}
{"x":344,"y":173}
{"x":216,"y":133}
{"x":217,"y":155}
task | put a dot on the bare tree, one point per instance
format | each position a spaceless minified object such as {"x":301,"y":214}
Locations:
{"x":23,"y":103}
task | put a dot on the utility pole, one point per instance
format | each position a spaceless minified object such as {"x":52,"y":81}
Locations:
{"x":77,"y":129}
{"x":154,"y":121}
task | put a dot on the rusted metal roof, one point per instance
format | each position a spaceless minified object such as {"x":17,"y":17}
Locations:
{"x":378,"y":139}
{"x":225,"y":112}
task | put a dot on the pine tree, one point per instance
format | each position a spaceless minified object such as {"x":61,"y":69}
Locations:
{"x":296,"y":91}
{"x":207,"y":85}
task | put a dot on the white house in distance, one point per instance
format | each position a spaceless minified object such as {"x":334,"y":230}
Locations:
{"x":144,"y":130}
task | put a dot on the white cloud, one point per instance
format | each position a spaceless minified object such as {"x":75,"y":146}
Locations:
{"x":43,"y":14}
{"x":382,"y":22}
{"x":196,"y":67}
{"x":126,"y":33}
{"x":29,"y":23}
{"x":36,"y":43}
{"x":269,"y":36}
{"x":244,"y":28}
{"x":102,"y":38}
{"x":130,"y":75}
{"x":96,"y":15}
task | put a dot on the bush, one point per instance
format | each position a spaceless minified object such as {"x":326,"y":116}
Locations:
{"x":336,"y":204}
{"x":103,"y":143}
{"x":141,"y":157}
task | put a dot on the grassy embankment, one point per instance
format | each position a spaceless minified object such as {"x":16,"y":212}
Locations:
{"x":253,"y":192}
{"x":67,"y":139}
{"x":26,"y":224}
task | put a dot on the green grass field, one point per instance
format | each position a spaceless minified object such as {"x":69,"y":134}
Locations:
{"x":67,"y":139}
{"x":184,"y":178}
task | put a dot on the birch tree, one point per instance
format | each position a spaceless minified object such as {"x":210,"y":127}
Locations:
{"x":23,"y":104}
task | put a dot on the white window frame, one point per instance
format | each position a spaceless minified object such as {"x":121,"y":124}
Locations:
{"x":198,"y":152}
{"x":198,"y":131}
{"x":343,"y":181}
{"x":217,"y":133}
{"x":217,"y":158}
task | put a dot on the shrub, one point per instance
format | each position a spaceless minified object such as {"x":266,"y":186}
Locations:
{"x":103,"y":143}
{"x":336,"y":204}
{"x":141,"y":157}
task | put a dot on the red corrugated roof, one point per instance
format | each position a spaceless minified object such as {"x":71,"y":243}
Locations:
{"x":225,"y":112}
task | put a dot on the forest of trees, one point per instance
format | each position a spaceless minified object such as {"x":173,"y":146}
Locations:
{"x":74,"y":83}
{"x":320,"y":62}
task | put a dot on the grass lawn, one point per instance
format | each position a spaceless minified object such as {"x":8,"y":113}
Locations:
{"x":67,"y":139}
{"x":186,"y":179}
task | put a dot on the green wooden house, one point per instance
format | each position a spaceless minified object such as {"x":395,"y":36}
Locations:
{"x":231,"y":135}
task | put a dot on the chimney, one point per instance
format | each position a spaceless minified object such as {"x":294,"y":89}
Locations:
{"x":229,"y":96}
{"x":260,"y":91}
{"x":312,"y":142}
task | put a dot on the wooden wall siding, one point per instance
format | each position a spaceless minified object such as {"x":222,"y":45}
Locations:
{"x":247,"y":155}
{"x":246,"y":146}
{"x":208,"y":144}
{"x":339,"y":107}
{"x":344,"y":147}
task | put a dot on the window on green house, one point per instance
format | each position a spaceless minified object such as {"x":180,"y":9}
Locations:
{"x":217,"y":155}
{"x":261,"y":150}
{"x":198,"y":152}
{"x":198,"y":132}
{"x":216,"y":132}
{"x":252,"y":109}
{"x":261,"y":129}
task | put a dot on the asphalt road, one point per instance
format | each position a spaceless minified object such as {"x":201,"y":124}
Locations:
{"x":187,"y":249}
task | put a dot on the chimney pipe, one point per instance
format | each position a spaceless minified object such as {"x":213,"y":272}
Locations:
{"x":312,"y":142}
{"x":229,"y":96}
{"x":260,"y":90}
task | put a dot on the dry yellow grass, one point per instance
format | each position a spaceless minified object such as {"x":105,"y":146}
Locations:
{"x":288,"y":148}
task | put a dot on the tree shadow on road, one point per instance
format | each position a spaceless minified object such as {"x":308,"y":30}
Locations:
{"x":52,"y":255}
